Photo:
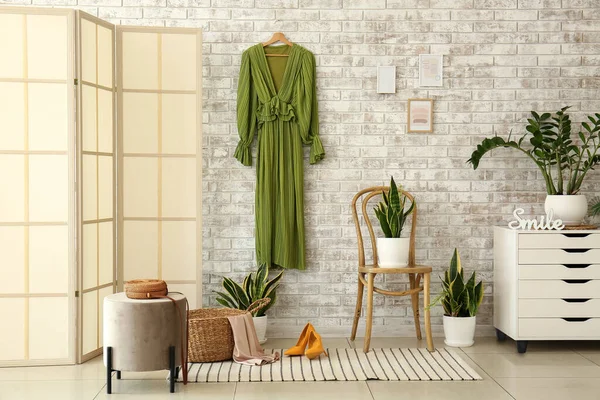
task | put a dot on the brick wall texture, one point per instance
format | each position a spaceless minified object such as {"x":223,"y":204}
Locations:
{"x":502,"y":58}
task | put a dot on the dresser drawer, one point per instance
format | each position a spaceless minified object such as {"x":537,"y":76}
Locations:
{"x":559,"y":328}
{"x":559,"y":271}
{"x":559,"y":240}
{"x":559,"y":256}
{"x":536,"y":308}
{"x":559,"y":289}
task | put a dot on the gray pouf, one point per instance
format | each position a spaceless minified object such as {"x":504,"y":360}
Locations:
{"x":140,"y":333}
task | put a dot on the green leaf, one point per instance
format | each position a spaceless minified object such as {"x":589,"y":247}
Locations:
{"x":240,"y":294}
{"x":226,"y":300}
{"x":487,"y":145}
{"x":224,"y":303}
{"x":394,"y":196}
{"x":272,"y":285}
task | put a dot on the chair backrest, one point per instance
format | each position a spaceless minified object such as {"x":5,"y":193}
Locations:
{"x":365,"y":195}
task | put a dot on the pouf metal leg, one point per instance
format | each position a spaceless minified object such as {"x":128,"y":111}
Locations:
{"x":118,"y":374}
{"x":172,"y":368}
{"x":108,"y":370}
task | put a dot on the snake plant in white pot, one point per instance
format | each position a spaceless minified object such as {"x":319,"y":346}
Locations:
{"x":256,"y":287}
{"x":461,"y":301}
{"x":392,"y":250}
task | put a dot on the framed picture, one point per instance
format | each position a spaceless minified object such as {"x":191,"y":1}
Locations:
{"x":431,"y":69}
{"x":420,"y":115}
{"x":386,"y":79}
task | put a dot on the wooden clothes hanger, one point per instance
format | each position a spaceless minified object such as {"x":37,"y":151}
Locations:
{"x":277,"y":37}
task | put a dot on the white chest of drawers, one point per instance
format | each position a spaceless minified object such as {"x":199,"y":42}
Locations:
{"x":546,"y":285}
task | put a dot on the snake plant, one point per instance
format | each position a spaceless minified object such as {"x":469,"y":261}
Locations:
{"x":459,"y":299}
{"x":256,"y":286}
{"x":562,"y":161}
{"x":390,"y":212}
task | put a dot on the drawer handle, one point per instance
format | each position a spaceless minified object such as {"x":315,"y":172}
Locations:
{"x":576,"y":280}
{"x":575,"y":319}
{"x":576,"y":235}
{"x":576,"y":300}
{"x":576,"y":250}
{"x":576,"y":265}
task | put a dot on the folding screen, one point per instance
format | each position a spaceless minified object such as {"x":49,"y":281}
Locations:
{"x":96,"y":176}
{"x":160,"y":150}
{"x":60,"y":210}
{"x":37,"y":205}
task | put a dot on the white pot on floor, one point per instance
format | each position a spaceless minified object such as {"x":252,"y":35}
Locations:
{"x":260,"y":325}
{"x":572,"y":209}
{"x":459,"y":331}
{"x":393,"y":252}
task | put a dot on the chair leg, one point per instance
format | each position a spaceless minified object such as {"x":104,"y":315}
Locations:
{"x":359,"y":300}
{"x":426,"y":285}
{"x":415,"y":306}
{"x":370,"y":285}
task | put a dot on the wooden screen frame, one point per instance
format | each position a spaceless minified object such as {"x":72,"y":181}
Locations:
{"x":72,"y":214}
{"x":120,"y":150}
{"x":80,"y":15}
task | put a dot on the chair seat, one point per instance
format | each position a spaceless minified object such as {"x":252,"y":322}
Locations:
{"x":374,"y":269}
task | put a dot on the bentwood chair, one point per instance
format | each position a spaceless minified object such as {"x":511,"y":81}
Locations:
{"x":367,"y":272}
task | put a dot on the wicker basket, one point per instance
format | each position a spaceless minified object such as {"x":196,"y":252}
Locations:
{"x":210,"y":337}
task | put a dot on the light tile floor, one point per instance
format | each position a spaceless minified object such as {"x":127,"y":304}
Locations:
{"x":548,"y":371}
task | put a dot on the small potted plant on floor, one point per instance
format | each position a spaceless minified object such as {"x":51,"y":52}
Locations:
{"x":460,"y":301}
{"x":563,"y":159}
{"x":392,"y":213}
{"x":256,"y":286}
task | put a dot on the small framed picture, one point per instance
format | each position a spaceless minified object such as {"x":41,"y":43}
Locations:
{"x":420,"y":116}
{"x":431,"y":69}
{"x":386,"y":79}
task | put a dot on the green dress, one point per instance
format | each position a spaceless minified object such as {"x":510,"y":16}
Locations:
{"x":277,"y":99}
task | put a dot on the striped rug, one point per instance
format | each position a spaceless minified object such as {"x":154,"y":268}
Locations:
{"x":344,"y":365}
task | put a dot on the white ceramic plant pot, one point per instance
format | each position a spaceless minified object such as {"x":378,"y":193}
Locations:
{"x":572,"y":209}
{"x":459,"y":331}
{"x":393,"y":252}
{"x":260,"y":325}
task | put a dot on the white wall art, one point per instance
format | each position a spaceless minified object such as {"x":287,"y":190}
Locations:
{"x":546,"y":222}
{"x":386,"y":79}
{"x":420,"y":115}
{"x":430,"y":69}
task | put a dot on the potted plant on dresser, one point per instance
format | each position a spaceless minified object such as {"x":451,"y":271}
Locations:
{"x":460,"y":301}
{"x":392,"y":250}
{"x":256,"y":286}
{"x":563,"y":159}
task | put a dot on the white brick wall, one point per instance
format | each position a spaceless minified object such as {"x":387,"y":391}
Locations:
{"x":502,"y":59}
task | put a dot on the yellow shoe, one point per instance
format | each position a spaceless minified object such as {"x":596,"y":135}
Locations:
{"x":315,"y":345}
{"x":298,"y":349}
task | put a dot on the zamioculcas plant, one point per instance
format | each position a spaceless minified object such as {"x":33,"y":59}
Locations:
{"x":459,"y":299}
{"x":562,"y":162}
{"x":390,"y":212}
{"x":256,"y":286}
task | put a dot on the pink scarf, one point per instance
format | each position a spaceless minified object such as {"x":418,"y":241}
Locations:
{"x":247,"y":350}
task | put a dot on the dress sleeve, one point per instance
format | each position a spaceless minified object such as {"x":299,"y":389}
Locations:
{"x":308,"y":110}
{"x":247,"y":102}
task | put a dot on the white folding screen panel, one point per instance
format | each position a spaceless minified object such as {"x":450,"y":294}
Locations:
{"x":59,"y":203}
{"x":159,"y":129}
{"x":37,"y":205}
{"x":97,"y":229}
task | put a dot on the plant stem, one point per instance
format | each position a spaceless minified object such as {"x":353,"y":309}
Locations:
{"x":559,"y":172}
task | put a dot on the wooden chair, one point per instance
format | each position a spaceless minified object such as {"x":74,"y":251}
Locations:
{"x":367,"y":273}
